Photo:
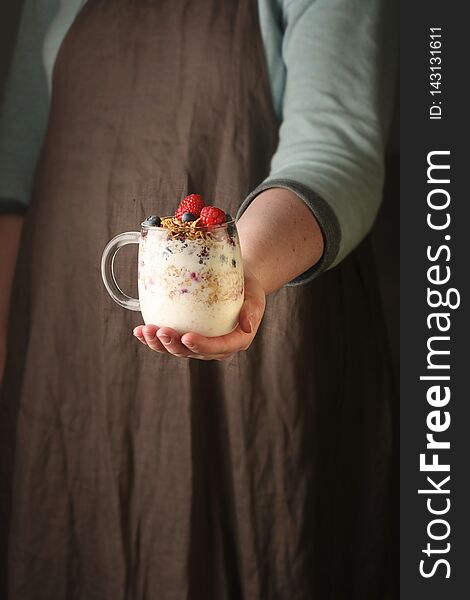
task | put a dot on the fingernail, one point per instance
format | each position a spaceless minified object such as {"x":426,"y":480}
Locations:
{"x":244,"y":322}
{"x":163,"y":337}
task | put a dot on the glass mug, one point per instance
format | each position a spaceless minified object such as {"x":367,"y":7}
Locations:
{"x":187,"y":281}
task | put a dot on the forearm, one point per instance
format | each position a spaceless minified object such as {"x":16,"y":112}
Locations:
{"x":10,"y":233}
{"x":279,"y":237}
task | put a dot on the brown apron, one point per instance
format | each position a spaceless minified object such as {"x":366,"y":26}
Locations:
{"x":128,"y":475}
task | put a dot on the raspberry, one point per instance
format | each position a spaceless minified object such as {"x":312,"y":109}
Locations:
{"x":211,"y":215}
{"x":192,"y":204}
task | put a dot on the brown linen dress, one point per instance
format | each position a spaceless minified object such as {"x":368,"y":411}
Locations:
{"x":129,"y":475}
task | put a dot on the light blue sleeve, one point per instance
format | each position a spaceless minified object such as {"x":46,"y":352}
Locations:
{"x":24,"y":108}
{"x":340,"y":60}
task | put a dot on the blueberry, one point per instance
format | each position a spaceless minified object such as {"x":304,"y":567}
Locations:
{"x":187,"y":217}
{"x":228,"y":217}
{"x":153,"y":221}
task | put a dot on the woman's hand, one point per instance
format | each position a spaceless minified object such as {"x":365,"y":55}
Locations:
{"x":280,"y":239}
{"x":193,"y":345}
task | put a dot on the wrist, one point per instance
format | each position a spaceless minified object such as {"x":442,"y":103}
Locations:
{"x":280,"y":238}
{"x":252,"y":270}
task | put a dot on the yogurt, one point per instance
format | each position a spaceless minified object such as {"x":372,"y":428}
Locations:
{"x":191,"y":280}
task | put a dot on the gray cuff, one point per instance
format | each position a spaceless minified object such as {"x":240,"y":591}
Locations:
{"x":324,"y":215}
{"x":9,"y":206}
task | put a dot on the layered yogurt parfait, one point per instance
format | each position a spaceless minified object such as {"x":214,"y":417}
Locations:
{"x":190,"y":270}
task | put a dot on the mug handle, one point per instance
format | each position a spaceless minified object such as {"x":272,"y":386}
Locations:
{"x":107,"y":269}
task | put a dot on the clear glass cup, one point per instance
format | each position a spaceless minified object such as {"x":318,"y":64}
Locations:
{"x":189,"y":282}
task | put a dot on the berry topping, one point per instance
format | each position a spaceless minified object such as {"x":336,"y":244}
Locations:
{"x":187,"y":217}
{"x":211,"y":216}
{"x":192,"y":204}
{"x":153,"y":221}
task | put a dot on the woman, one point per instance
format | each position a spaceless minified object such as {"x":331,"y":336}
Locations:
{"x":260,"y":474}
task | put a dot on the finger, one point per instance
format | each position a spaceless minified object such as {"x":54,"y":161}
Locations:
{"x":223,"y":345}
{"x":253,"y":307}
{"x":239,"y":339}
{"x":139,"y":335}
{"x":246,"y":317}
{"x":171,"y":341}
{"x":150,"y":335}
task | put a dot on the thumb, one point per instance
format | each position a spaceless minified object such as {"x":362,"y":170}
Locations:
{"x":251,"y":313}
{"x":253,"y":307}
{"x":247,"y":317}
